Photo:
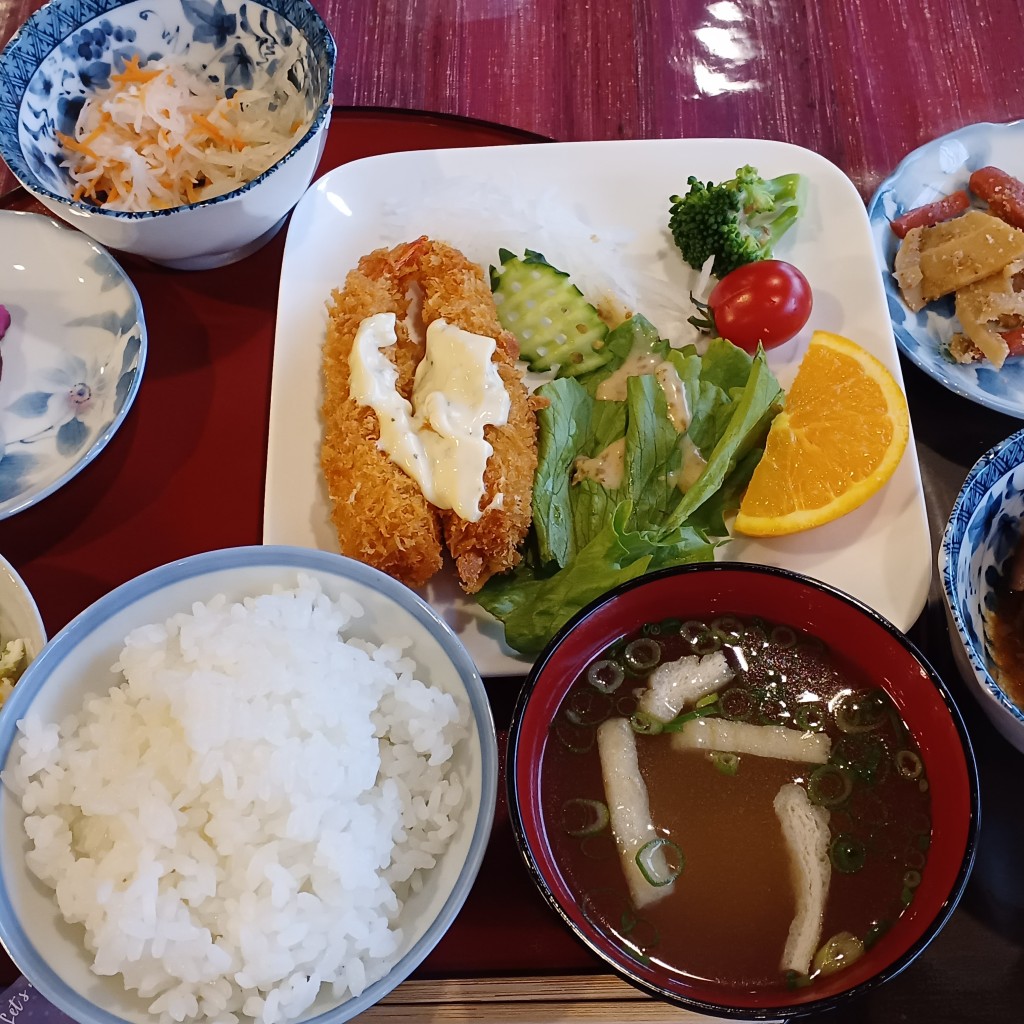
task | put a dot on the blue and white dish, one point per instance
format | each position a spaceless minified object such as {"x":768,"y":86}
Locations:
{"x":76,"y":664}
{"x":72,"y":357}
{"x":69,"y":47}
{"x":977,"y":547}
{"x":931,"y":172}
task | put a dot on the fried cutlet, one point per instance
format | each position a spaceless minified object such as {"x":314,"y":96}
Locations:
{"x":380,"y":513}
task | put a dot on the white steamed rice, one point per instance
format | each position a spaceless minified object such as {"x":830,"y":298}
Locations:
{"x":238,"y":821}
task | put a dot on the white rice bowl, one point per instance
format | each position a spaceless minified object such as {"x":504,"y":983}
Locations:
{"x":263,"y":803}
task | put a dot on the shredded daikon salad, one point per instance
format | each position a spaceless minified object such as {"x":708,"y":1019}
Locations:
{"x":161,"y":136}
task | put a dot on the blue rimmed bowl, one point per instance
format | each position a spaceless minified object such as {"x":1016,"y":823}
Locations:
{"x":76,"y":664}
{"x":69,"y":47}
{"x":977,"y":548}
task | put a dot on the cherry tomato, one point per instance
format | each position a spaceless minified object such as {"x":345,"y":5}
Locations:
{"x":768,"y":301}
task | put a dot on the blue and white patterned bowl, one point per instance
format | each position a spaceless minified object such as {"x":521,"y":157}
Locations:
{"x":69,"y":47}
{"x":930,"y":172}
{"x":983,"y":531}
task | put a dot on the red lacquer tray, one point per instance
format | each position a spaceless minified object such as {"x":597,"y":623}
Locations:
{"x":185,"y":473}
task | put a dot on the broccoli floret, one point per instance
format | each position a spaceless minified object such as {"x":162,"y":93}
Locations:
{"x":738,"y":221}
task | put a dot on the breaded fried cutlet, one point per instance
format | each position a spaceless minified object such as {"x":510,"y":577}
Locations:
{"x":454,"y":289}
{"x":380,"y":513}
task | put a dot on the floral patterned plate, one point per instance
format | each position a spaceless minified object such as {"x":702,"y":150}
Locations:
{"x":71,"y":357}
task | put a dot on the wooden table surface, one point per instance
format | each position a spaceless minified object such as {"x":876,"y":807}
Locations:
{"x":862,"y":82}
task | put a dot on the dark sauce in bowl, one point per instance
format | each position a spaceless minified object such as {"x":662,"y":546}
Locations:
{"x":729,"y":912}
{"x":1005,"y":627}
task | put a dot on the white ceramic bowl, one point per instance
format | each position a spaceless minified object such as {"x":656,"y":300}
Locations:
{"x":981,"y":535}
{"x":77,"y":663}
{"x":69,"y":47}
{"x":19,"y":614}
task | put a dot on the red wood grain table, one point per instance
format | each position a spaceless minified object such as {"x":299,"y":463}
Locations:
{"x":861,"y":82}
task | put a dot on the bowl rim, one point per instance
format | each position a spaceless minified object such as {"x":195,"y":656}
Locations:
{"x":989,"y":470}
{"x":35,"y":967}
{"x":30,"y":603}
{"x":779,"y":1012}
{"x":15,"y":160}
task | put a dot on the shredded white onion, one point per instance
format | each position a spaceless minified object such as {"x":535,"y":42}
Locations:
{"x":161,"y":136}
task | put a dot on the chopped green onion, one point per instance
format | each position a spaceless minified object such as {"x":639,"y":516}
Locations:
{"x":706,"y":700}
{"x":645,"y":861}
{"x":861,"y":710}
{"x":577,"y":739}
{"x":840,"y":951}
{"x":811,"y":716}
{"x":784,"y":636}
{"x":626,"y":705}
{"x":829,"y":785}
{"x":724,"y":761}
{"x":865,"y":755}
{"x":907,"y":896}
{"x":847,"y":854}
{"x":728,"y":628}
{"x":808,"y":644}
{"x":908,"y":764}
{"x":642,"y":654}
{"x":736,"y":704}
{"x":582,"y":817}
{"x":586,"y":707}
{"x":605,"y":675}
{"x":703,"y":711}
{"x":644,"y":723}
{"x":912,"y":879}
{"x":875,"y":932}
{"x":796,"y":980}
{"x":700,"y":637}
{"x":638,"y":936}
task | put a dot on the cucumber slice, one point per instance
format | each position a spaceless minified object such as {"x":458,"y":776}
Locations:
{"x":553,"y":322}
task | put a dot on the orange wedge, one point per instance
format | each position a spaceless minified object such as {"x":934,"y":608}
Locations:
{"x":839,"y":439}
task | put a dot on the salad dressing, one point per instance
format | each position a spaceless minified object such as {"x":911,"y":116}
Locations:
{"x":691,"y":466}
{"x":608,"y":467}
{"x":675,"y":395}
{"x":438,"y":438}
{"x":636,"y":364}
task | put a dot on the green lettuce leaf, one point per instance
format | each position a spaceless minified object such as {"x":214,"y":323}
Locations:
{"x":589,"y":536}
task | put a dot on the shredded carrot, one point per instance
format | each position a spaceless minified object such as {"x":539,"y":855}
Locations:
{"x":133,"y":73}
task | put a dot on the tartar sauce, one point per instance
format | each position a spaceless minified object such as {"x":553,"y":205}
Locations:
{"x":438,"y":439}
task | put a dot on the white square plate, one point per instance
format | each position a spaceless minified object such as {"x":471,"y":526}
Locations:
{"x":598,"y":210}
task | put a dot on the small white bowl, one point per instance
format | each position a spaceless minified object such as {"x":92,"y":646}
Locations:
{"x":77,"y":662}
{"x":978,"y":543}
{"x":19,"y":614}
{"x":68,"y":47}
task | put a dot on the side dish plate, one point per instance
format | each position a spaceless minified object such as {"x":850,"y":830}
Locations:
{"x":73,"y":355}
{"x":931,"y":172}
{"x":598,"y":210}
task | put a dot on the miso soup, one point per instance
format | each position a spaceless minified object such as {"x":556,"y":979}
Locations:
{"x":727,"y":913}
